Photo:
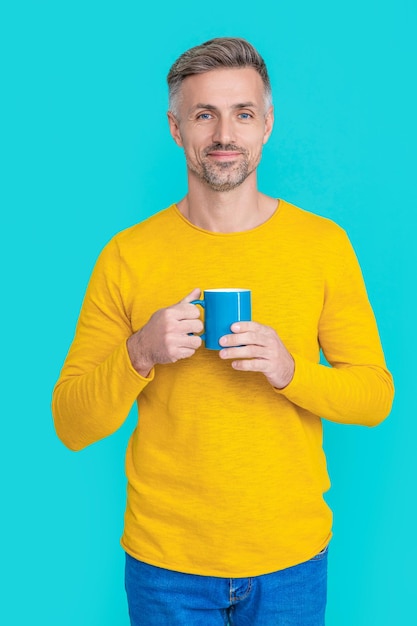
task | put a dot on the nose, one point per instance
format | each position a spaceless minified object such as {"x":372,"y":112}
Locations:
{"x":223,"y":131}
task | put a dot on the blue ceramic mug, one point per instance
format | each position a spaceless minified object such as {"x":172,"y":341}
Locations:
{"x":223,"y":307}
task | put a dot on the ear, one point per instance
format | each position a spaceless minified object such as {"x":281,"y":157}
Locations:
{"x":269,"y":123}
{"x":174,"y":129}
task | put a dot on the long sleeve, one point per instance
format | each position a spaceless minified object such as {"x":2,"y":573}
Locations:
{"x":206,"y":432}
{"x":357,"y":388}
{"x":98,"y":384}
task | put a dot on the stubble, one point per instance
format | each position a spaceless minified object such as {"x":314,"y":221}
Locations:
{"x":223,"y":176}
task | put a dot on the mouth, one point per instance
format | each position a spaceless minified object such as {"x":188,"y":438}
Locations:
{"x":223,"y":155}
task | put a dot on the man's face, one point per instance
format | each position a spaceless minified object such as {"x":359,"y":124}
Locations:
{"x":222,"y":124}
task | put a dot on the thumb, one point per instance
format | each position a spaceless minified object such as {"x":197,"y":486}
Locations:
{"x":194,"y":295}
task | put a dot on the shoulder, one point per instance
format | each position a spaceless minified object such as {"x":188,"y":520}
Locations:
{"x":316,"y":239}
{"x":156,"y":223}
{"x":142,"y":234}
{"x":309,"y":220}
{"x":312,"y":227}
{"x":136,"y":241}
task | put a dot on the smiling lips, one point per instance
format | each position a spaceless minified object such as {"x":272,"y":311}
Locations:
{"x":223,"y":155}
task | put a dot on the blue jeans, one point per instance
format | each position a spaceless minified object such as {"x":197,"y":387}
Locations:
{"x":291,"y":597}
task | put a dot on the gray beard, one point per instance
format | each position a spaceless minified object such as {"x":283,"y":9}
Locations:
{"x":222,"y":176}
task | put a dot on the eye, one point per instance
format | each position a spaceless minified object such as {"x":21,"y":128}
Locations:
{"x":245,"y":116}
{"x":204,"y":116}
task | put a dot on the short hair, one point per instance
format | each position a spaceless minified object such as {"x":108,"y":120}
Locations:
{"x":219,"y":53}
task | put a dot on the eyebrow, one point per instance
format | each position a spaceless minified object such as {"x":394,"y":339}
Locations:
{"x":211,"y":107}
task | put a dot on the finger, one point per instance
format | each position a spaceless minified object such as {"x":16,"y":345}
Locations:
{"x":242,"y":339}
{"x":243,"y":327}
{"x":186,"y":353}
{"x":190,"y":342}
{"x":185,"y":311}
{"x":241,"y":352}
{"x":193,"y":295}
{"x":191,"y":326}
{"x":251,"y":365}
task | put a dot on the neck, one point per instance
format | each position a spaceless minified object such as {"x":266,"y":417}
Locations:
{"x":240,"y":209}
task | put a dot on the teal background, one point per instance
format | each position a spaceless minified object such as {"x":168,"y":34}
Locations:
{"x":85,"y":153}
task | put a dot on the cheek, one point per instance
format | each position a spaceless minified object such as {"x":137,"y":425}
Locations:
{"x":256,"y":146}
{"x":192,"y":155}
{"x":194,"y":147}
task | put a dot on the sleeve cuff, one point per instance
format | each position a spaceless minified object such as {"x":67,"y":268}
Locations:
{"x":135,"y":376}
{"x":292,"y":390}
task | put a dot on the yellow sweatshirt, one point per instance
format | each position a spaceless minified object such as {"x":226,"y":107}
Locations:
{"x":226,"y":474}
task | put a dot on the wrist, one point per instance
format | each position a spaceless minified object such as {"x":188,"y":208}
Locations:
{"x":139,"y":361}
{"x":287,"y":375}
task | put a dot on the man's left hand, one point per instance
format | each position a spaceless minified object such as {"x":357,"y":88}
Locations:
{"x":257,"y":348}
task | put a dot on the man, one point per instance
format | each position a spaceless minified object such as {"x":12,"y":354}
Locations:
{"x":225,"y":519}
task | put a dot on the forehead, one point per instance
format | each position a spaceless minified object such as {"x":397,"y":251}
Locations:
{"x":223,"y":87}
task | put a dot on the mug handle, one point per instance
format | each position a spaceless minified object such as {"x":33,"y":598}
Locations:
{"x":202,"y":304}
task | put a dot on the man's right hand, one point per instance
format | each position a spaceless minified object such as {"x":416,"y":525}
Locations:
{"x":166,"y":337}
